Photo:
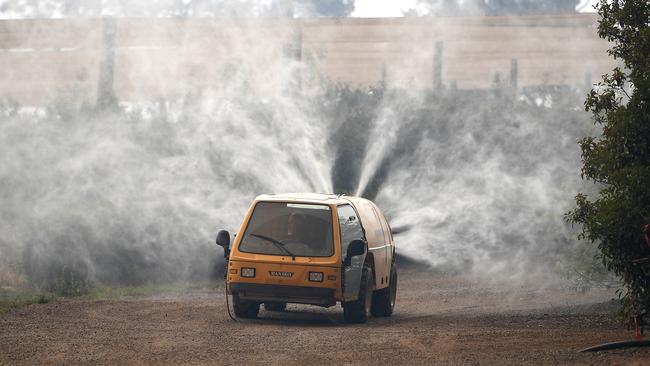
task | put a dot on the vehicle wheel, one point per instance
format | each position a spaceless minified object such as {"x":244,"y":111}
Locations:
{"x":383,"y":301}
{"x":275,"y":306}
{"x":359,"y":311}
{"x":245,"y":309}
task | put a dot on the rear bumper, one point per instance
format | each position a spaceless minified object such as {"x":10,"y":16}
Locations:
{"x":277,"y":293}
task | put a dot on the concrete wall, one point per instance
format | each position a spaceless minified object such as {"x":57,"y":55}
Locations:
{"x":42,"y":61}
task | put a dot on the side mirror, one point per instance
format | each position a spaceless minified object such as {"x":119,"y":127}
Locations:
{"x":356,"y":247}
{"x":223,"y":240}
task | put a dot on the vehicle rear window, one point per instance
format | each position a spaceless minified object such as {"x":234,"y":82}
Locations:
{"x":285,"y":228}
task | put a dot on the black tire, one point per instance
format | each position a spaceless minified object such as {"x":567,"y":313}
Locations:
{"x":359,"y":311}
{"x":245,"y":309}
{"x":383,"y":301}
{"x":275,"y":306}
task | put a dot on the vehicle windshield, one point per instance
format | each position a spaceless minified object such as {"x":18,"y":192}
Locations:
{"x":290,"y":229}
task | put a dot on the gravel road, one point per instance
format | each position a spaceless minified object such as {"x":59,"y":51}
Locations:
{"x":439,"y":319}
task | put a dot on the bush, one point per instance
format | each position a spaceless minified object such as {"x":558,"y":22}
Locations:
{"x":618,"y":161}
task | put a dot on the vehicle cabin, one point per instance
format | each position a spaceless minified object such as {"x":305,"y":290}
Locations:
{"x":316,"y":249}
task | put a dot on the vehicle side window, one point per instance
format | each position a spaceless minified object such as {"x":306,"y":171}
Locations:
{"x":388,"y":236}
{"x":350,"y":226}
{"x":381,"y":224}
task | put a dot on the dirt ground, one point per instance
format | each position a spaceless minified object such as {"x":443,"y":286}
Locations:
{"x":439,"y":319}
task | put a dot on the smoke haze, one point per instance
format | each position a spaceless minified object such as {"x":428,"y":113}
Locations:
{"x":135,"y":192}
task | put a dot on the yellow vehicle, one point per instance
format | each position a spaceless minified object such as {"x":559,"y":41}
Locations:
{"x":316,"y":249}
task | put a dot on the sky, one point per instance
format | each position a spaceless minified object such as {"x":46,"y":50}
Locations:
{"x":392,"y":8}
{"x":381,"y":8}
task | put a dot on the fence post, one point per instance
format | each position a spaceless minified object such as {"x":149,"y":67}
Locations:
{"x":297,"y":41}
{"x":105,"y":91}
{"x":437,"y":65}
{"x":513,"y":74}
{"x":293,"y":55}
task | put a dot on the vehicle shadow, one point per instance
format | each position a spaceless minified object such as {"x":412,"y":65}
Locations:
{"x":305,"y":317}
{"x":301,"y":317}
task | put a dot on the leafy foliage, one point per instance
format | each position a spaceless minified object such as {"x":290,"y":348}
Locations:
{"x":619,"y":159}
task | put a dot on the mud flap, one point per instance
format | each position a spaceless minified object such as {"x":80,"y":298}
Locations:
{"x":352,"y":278}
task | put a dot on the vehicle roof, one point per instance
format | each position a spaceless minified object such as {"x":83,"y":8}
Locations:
{"x":322,"y":198}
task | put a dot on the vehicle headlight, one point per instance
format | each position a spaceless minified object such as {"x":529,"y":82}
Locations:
{"x":316,"y":276}
{"x":248,"y":272}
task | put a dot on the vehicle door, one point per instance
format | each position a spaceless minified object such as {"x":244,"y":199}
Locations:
{"x":350,"y":229}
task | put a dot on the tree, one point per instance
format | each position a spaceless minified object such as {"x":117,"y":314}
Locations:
{"x":618,"y":160}
{"x":175,"y":8}
{"x":328,"y":8}
{"x":492,"y":7}
{"x":496,"y":7}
